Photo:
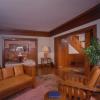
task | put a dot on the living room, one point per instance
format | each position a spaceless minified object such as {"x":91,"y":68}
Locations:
{"x":33,"y":31}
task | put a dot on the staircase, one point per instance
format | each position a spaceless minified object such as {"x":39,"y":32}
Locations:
{"x":76,"y":44}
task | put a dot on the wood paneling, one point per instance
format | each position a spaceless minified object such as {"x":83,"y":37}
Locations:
{"x":24,"y":32}
{"x":62,"y":58}
{"x":88,"y":16}
{"x":61,"y":54}
{"x":75,"y":60}
{"x":88,"y":36}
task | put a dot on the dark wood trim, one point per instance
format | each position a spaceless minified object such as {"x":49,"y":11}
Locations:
{"x":3,"y":54}
{"x":25,"y":39}
{"x":86,"y":17}
{"x":24,"y":32}
{"x":18,"y":39}
{"x":93,"y":28}
{"x":56,"y":42}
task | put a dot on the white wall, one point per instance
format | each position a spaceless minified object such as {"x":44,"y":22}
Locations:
{"x":42,"y":41}
{"x":52,"y":48}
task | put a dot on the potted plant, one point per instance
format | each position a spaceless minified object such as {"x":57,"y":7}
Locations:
{"x":93,"y":51}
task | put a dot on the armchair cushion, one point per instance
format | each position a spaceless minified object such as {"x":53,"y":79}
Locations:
{"x":8,"y":72}
{"x":18,"y":70}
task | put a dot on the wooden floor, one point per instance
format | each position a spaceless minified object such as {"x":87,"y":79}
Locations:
{"x":43,"y":70}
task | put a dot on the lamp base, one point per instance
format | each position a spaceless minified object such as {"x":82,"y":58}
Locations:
{"x":45,"y":55}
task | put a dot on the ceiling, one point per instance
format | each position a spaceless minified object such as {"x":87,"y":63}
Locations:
{"x":41,"y":15}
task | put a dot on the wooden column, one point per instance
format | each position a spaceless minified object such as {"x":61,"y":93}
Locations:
{"x":60,"y":54}
{"x":87,"y":43}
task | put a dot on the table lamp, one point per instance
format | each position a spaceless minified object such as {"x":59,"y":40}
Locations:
{"x":46,"y":50}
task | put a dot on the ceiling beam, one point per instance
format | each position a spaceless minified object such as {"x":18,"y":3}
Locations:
{"x":24,"y":32}
{"x":86,"y":17}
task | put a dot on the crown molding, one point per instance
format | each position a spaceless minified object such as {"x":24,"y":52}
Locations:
{"x":24,"y":32}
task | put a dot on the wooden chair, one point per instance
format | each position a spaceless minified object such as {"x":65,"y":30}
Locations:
{"x":74,"y":90}
{"x":71,"y":74}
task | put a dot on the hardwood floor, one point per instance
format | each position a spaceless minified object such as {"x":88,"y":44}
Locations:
{"x":46,"y":69}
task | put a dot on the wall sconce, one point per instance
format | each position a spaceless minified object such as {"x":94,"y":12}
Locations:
{"x":46,"y":50}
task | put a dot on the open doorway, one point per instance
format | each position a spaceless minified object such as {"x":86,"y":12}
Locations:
{"x":69,"y":50}
{"x":20,"y":51}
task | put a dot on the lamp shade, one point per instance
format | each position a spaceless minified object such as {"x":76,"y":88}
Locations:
{"x":45,"y":49}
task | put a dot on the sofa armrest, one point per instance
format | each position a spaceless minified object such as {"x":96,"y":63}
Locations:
{"x":29,"y":70}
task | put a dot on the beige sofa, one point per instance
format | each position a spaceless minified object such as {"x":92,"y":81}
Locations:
{"x":14,"y":79}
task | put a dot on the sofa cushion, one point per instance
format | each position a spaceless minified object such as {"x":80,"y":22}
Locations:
{"x":8,"y":72}
{"x":14,"y":82}
{"x":18,"y":70}
{"x":0,"y":74}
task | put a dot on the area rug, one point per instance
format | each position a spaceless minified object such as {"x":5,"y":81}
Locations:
{"x":44,"y":84}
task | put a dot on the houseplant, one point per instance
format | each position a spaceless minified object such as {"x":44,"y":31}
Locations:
{"x":93,"y":51}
